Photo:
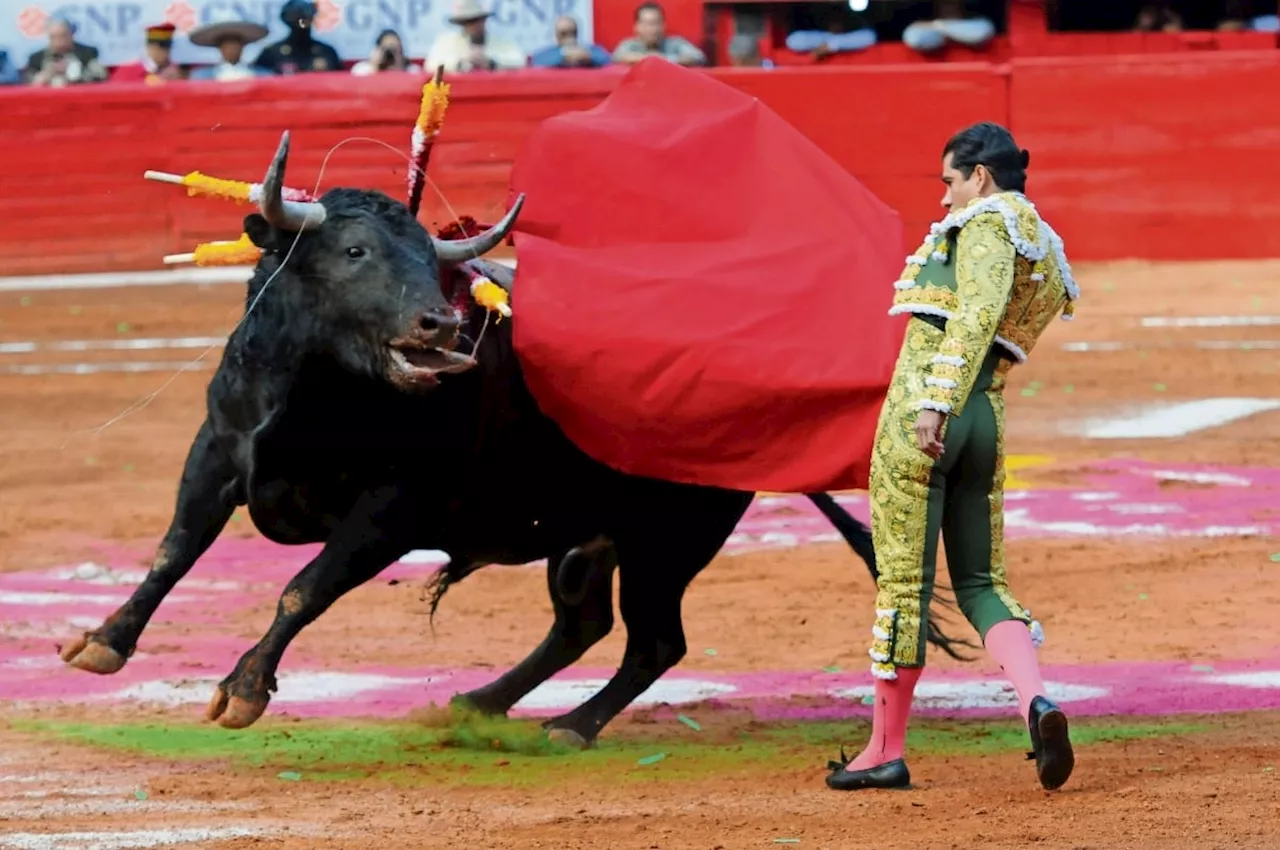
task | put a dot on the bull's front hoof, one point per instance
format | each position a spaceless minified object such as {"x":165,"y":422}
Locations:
{"x":217,"y":705}
{"x":568,"y":738}
{"x":234,"y":712}
{"x":89,"y":654}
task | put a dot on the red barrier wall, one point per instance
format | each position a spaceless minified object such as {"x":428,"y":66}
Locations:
{"x":72,"y":197}
{"x":1147,"y":156}
{"x":1154,"y":156}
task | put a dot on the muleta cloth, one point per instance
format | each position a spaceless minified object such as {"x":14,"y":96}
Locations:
{"x":702,"y":293}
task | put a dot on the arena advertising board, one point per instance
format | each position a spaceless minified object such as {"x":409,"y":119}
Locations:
{"x":117,"y":29}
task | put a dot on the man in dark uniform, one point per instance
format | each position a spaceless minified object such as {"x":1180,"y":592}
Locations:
{"x":299,"y":52}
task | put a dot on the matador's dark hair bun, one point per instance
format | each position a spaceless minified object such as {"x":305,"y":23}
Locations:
{"x":991,"y":145}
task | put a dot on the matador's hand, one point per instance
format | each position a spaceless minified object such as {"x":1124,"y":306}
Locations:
{"x":929,"y":432}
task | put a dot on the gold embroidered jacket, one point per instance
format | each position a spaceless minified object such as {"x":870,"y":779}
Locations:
{"x":1008,"y":278}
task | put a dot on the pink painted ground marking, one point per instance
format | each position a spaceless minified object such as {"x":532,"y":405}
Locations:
{"x":39,"y":608}
{"x":1122,"y":498}
{"x":315,"y":690}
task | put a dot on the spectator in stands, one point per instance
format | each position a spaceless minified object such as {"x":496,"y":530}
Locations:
{"x":744,"y":51}
{"x":1239,"y":15}
{"x":387,"y":55}
{"x":846,"y":32}
{"x":568,"y":52}
{"x":472,"y":47}
{"x":65,"y":61}
{"x":8,"y":71}
{"x":1157,"y":17}
{"x":156,"y":64}
{"x":298,"y":52}
{"x":952,"y":23}
{"x":230,"y":35}
{"x":651,"y":39}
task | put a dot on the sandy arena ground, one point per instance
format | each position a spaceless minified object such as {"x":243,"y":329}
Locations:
{"x":1144,"y":503}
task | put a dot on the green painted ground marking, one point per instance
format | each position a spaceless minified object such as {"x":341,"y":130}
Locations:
{"x":457,"y":748}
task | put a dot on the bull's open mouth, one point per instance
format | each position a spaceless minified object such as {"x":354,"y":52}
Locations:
{"x":420,"y":364}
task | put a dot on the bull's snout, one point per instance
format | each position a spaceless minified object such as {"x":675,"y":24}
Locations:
{"x":441,"y":325}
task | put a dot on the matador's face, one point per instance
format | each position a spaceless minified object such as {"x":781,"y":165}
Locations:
{"x":960,"y":189}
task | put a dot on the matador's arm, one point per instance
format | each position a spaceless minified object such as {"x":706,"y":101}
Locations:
{"x":984,"y":278}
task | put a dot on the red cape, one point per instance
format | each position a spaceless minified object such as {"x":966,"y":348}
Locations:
{"x":702,"y":293}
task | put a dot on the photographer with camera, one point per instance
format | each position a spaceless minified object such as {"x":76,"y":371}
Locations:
{"x":387,"y":55}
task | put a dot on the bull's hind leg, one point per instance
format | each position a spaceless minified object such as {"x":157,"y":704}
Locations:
{"x":577,"y":628}
{"x":670,"y":542}
{"x":369,"y":540}
{"x":207,"y":497}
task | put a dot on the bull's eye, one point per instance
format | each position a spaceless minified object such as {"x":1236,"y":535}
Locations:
{"x":356,"y":253}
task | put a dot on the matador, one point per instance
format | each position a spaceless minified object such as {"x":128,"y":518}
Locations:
{"x":985,"y":284}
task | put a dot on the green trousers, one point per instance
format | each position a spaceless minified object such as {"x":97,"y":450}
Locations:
{"x":914,"y":499}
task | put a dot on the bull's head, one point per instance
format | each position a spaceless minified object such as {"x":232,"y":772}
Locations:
{"x":365,"y":276}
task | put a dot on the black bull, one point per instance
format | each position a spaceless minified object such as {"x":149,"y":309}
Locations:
{"x":328,"y":418}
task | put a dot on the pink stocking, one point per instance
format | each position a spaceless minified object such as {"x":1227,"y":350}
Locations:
{"x":1009,"y":643}
{"x":889,"y":721}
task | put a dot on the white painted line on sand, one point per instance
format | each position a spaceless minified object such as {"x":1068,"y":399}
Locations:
{"x":196,"y":276}
{"x":140,"y":344}
{"x":299,"y":687}
{"x":192,"y":276}
{"x":1208,"y":321}
{"x":1204,"y":344}
{"x":34,"y":597}
{"x":1174,"y":419}
{"x":1251,"y":679}
{"x":1021,"y":519}
{"x":99,"y":368}
{"x":136,"y":840}
{"x":979,"y":694}
{"x":92,"y":791}
{"x":556,"y":694}
{"x":40,"y":809}
{"x":1216,"y":478}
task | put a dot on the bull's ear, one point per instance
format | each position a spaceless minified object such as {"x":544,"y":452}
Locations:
{"x":259,"y":232}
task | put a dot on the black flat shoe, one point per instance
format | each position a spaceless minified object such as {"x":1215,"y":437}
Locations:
{"x":891,"y":775}
{"x":1051,"y":746}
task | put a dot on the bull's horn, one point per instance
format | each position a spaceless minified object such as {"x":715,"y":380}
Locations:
{"x":461,"y":250}
{"x":282,"y":214}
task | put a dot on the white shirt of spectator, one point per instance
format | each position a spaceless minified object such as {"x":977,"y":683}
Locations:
{"x":453,"y":51}
{"x":225,"y":71}
{"x":364,"y":68}
{"x":73,"y":74}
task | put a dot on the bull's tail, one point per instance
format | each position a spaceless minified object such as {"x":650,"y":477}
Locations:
{"x":858,"y":536}
{"x":444,"y":578}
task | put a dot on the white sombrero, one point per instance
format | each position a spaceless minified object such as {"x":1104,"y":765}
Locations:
{"x":468,"y":10}
{"x":226,"y":25}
